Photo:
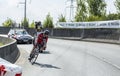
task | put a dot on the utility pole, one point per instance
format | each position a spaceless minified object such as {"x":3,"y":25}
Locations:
{"x":25,"y":8}
{"x":71,"y":10}
{"x":71,"y":6}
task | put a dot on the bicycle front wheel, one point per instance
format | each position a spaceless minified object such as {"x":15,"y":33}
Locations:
{"x":34,"y":57}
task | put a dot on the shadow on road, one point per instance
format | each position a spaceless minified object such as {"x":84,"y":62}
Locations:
{"x":45,"y":52}
{"x":46,"y":65}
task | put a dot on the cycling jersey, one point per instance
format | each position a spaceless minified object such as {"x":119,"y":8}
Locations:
{"x":42,"y":39}
{"x":35,"y":38}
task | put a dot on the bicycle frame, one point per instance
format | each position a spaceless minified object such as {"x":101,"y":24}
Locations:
{"x":35,"y":54}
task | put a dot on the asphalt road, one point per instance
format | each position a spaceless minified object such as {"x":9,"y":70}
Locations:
{"x":72,"y":58}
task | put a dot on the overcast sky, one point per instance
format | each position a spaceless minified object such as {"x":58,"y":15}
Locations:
{"x":37,"y":9}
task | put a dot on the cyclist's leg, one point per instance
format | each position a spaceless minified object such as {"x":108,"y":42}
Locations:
{"x":32,"y":50}
{"x":41,"y":48}
{"x":34,"y":46}
{"x":30,"y":56}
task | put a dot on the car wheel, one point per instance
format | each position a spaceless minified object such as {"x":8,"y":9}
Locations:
{"x":30,"y":42}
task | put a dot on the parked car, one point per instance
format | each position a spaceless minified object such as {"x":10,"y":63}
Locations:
{"x":21,"y":35}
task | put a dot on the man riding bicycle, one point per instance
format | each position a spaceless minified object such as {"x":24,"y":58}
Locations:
{"x":38,"y":30}
{"x":40,"y":40}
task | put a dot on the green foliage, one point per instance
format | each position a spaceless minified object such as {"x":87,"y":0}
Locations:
{"x":25,"y":23}
{"x":117,"y":5}
{"x":113,"y":16}
{"x":61,"y":18}
{"x":32,"y":25}
{"x":118,"y":15}
{"x":81,"y":13}
{"x":94,"y":18}
{"x":96,"y":7}
{"x":1,"y":44}
{"x":8,"y":23}
{"x":90,"y":10}
{"x":48,"y":22}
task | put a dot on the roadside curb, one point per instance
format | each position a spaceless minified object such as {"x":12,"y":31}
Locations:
{"x":89,"y":40}
{"x":22,"y":57}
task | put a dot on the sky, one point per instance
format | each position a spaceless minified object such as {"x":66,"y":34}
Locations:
{"x":38,"y":9}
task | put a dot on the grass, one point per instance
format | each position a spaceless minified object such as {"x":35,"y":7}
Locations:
{"x":1,"y":44}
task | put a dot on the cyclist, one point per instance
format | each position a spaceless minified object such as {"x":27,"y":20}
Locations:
{"x":38,"y":30}
{"x":41,"y":41}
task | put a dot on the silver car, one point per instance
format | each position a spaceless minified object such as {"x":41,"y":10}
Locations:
{"x":21,"y":35}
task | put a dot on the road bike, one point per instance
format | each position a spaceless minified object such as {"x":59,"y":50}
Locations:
{"x":35,"y":54}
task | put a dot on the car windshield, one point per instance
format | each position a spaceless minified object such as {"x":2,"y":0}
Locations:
{"x":21,"y":33}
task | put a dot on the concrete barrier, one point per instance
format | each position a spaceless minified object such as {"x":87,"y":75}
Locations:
{"x":9,"y":51}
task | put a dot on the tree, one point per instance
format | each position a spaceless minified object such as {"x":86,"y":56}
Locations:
{"x":117,"y":5}
{"x":61,"y":18}
{"x":112,"y":16}
{"x":32,"y":25}
{"x":9,"y":23}
{"x":93,"y":18}
{"x":96,"y":7}
{"x":25,"y":23}
{"x":81,"y":13}
{"x":48,"y":22}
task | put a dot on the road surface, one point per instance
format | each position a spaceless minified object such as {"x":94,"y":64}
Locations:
{"x":72,"y":58}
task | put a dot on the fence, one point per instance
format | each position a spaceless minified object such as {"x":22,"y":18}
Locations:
{"x":97,"y":33}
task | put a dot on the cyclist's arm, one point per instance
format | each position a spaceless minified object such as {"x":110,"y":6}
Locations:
{"x":45,"y":44}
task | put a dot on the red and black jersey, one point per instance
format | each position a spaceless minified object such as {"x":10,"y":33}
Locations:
{"x":41,"y":39}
